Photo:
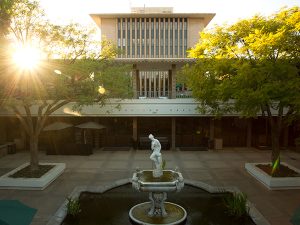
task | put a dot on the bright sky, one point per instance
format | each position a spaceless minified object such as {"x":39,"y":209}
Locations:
{"x":226,"y":10}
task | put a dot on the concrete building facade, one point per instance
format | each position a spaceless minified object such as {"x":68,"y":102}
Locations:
{"x":155,"y":42}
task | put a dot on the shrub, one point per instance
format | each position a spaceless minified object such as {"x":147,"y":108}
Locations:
{"x":236,"y":204}
{"x":73,"y":206}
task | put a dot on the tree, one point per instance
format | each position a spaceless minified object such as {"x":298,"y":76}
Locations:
{"x":34,"y":94}
{"x":5,"y":7}
{"x":250,"y":67}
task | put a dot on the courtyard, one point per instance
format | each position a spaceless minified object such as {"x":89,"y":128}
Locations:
{"x":215,"y":167}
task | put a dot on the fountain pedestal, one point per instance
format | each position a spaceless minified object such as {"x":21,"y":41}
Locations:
{"x":157,"y":211}
{"x":157,"y":204}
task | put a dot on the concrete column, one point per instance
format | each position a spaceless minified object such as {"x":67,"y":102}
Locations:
{"x":134,"y":131}
{"x":134,"y":80}
{"x":211,"y":129}
{"x":249,"y":133}
{"x":3,"y":136}
{"x":286,"y":136}
{"x":97,"y":135}
{"x":173,"y":80}
{"x":169,"y":84}
{"x":173,"y":144}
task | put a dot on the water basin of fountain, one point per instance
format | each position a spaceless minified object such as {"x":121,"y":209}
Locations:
{"x":112,"y":206}
{"x":157,"y":211}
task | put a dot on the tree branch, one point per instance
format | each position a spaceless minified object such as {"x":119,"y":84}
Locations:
{"x":59,"y":105}
{"x":40,"y":117}
{"x":22,"y":120}
{"x":28,"y":117}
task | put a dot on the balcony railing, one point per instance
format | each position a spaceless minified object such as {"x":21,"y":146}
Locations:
{"x":163,"y":95}
{"x":183,"y":94}
{"x":153,"y":94}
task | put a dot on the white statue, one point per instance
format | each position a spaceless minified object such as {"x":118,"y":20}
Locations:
{"x":156,"y":156}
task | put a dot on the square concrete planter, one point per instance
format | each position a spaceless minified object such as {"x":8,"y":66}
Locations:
{"x":41,"y":183}
{"x":274,"y":183}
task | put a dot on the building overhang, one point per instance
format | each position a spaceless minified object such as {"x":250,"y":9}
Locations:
{"x":179,"y":107}
{"x":155,"y":60}
{"x":206,"y":17}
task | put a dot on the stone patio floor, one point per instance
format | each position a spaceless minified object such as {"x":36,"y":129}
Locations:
{"x":220,"y":168}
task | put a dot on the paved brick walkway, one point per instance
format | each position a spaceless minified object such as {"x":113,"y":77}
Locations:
{"x":221,"y":168}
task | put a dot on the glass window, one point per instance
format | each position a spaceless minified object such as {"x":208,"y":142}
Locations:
{"x":162,"y":31}
{"x":147,"y":37}
{"x":166,"y":82}
{"x":176,"y":37}
{"x":157,"y":37}
{"x":152,"y":38}
{"x":185,"y":35}
{"x":119,"y":35}
{"x":153,"y":83}
{"x":133,"y":37}
{"x":143,"y":37}
{"x":138,"y":28}
{"x":133,"y":28}
{"x":152,"y":51}
{"x":171,"y":37}
{"x":147,"y":28}
{"x":166,"y":37}
{"x":180,"y":37}
{"x":152,"y":28}
{"x":123,"y":24}
{"x":119,"y":28}
{"x":128,"y":28}
{"x":128,"y":37}
{"x":138,"y":37}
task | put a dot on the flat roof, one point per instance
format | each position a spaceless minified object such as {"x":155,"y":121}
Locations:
{"x":206,"y":17}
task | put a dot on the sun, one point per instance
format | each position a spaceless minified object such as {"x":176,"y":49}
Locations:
{"x":26,"y":57}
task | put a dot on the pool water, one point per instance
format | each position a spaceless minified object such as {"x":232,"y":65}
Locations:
{"x":112,"y":207}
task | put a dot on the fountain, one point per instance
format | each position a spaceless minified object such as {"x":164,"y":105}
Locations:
{"x":158,"y":183}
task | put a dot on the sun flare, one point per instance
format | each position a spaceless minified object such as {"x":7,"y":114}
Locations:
{"x":26,"y":57}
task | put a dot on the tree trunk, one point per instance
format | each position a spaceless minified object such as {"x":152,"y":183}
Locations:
{"x":275,"y":135}
{"x":34,"y":160}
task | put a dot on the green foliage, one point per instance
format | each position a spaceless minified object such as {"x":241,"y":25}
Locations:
{"x":73,"y":207}
{"x":253,"y":62}
{"x":236,"y":204}
{"x":33,"y":95}
{"x":248,"y":68}
{"x":79,"y":57}
{"x":5,"y":7}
